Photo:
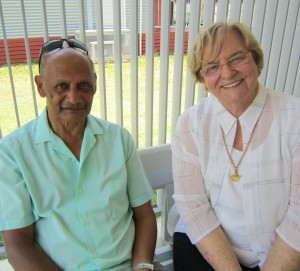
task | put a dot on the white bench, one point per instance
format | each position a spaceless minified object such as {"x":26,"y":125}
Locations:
{"x":157,"y":161}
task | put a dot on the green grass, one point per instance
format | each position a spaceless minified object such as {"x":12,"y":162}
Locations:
{"x":25,"y":100}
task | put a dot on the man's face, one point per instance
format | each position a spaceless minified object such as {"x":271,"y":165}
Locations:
{"x":69,"y":85}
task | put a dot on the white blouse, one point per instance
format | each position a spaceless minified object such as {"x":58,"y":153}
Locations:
{"x":266,"y":200}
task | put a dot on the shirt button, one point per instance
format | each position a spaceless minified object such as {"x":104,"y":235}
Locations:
{"x":94,"y":254}
{"x":80,"y":190}
{"x":85,"y":221}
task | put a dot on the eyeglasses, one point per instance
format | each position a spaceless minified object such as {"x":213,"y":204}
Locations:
{"x":55,"y":44}
{"x":233,"y":62}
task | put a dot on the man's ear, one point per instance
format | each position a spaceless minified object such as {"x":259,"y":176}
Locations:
{"x":39,"y":83}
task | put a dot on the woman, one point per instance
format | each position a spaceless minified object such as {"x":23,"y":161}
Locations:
{"x":236,"y":162}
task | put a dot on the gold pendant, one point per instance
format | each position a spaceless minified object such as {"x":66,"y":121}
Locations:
{"x":235,"y":177}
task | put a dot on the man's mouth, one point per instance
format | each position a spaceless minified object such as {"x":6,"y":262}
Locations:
{"x":232,"y":84}
{"x":72,"y":109}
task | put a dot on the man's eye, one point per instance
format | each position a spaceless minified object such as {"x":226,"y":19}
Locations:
{"x":61,"y":87}
{"x":84,"y":86}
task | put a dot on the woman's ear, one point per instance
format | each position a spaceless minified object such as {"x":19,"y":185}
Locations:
{"x":39,"y":83}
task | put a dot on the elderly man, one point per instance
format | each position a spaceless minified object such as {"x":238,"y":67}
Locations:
{"x":73,"y":193}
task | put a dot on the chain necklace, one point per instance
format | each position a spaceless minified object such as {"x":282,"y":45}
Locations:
{"x":235,"y":177}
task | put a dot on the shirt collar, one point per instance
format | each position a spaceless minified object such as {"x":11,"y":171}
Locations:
{"x":44,"y":131}
{"x":248,"y":118}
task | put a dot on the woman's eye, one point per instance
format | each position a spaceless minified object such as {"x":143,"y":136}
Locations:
{"x":236,"y":60}
{"x":212,"y":68}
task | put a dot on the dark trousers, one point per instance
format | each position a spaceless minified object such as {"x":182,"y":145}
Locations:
{"x":186,"y":256}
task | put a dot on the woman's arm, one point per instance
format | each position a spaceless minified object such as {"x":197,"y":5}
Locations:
{"x":22,"y":252}
{"x":217,"y":251}
{"x":282,"y":257}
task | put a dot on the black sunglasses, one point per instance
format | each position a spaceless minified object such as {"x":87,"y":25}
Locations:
{"x":55,"y":44}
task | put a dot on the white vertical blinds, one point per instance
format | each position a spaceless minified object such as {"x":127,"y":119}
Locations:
{"x":154,"y":104}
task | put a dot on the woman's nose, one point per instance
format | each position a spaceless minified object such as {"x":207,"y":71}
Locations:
{"x":227,"y":71}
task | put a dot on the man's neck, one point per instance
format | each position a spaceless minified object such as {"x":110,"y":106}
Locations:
{"x":71,"y":133}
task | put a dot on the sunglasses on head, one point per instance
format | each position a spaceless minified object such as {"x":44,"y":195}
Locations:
{"x":55,"y":44}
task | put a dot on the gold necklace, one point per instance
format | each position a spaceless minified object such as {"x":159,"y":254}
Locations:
{"x":235,"y":177}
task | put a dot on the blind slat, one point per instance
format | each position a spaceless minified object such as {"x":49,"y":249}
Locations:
{"x":118,"y":61}
{"x":235,"y":10}
{"x":286,"y":49}
{"x":178,"y":61}
{"x":164,"y":70}
{"x":247,"y":12}
{"x":28,"y":57}
{"x":101,"y":61}
{"x":193,"y":30}
{"x":149,"y":74}
{"x":276,"y":43}
{"x":134,"y":70}
{"x":222,"y":10}
{"x":267,"y":35}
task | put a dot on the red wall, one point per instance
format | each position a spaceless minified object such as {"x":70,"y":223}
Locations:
{"x":17,"y":49}
{"x":157,"y":41}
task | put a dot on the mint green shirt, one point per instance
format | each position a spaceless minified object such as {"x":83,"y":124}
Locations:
{"x":81,"y":209}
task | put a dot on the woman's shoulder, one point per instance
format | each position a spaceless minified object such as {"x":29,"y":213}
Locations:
{"x":198,"y":114}
{"x":283,"y":100}
{"x":201,"y":104}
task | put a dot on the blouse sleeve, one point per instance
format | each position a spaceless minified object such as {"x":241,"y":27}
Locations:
{"x":289,"y":229}
{"x":190,"y":196}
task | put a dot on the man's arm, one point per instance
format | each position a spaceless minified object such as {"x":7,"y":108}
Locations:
{"x":22,"y":253}
{"x":145,"y":234}
{"x":217,"y":251}
{"x":282,"y":257}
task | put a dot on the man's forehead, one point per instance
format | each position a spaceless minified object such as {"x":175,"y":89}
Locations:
{"x":70,"y":60}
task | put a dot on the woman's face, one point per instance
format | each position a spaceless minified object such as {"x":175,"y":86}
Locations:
{"x":236,"y":87}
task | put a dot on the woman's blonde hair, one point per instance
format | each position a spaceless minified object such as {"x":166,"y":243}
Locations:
{"x":213,"y":37}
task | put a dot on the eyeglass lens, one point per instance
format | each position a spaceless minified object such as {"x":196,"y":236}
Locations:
{"x":233,"y":62}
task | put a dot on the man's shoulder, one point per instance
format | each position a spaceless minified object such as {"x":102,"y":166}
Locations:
{"x":21,"y":134}
{"x":102,"y":126}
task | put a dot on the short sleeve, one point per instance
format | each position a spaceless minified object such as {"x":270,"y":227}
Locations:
{"x":15,"y":203}
{"x":139,"y":188}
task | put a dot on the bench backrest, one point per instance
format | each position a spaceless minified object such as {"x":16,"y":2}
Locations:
{"x":157,"y":161}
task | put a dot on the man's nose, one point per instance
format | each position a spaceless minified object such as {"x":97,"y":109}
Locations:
{"x":73,"y":95}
